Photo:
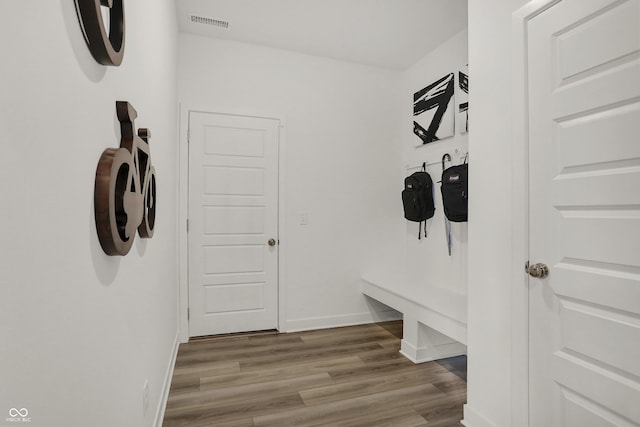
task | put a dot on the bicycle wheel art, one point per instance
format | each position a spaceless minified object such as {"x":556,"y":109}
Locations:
{"x":125,"y":187}
{"x":105,"y":42}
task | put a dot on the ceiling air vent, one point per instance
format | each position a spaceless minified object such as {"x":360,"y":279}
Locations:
{"x":209,"y":21}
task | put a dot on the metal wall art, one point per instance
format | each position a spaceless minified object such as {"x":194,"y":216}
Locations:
{"x":107,"y":49}
{"x":125,"y":187}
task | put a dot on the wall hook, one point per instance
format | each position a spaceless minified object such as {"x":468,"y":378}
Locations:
{"x":445,"y":158}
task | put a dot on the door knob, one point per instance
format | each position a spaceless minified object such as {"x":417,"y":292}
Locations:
{"x":539,"y":270}
{"x":272,"y":242}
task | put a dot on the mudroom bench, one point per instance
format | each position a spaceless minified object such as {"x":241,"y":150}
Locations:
{"x":434,"y":319}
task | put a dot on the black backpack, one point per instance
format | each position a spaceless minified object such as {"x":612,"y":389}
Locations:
{"x":455,"y":191}
{"x":417,"y":198}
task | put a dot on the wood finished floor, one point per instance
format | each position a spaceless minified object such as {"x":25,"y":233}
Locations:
{"x":351,"y":376}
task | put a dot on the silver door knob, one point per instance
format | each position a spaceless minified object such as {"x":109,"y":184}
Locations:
{"x":539,"y":270}
{"x":272,"y":242}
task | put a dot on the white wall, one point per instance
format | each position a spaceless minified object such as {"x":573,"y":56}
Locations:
{"x":490,"y":224}
{"x":342,"y":152}
{"x":421,"y":270}
{"x":89,"y":329}
{"x":81,"y":331}
{"x":428,"y":261}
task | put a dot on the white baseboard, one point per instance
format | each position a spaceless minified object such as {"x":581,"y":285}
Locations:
{"x":474,"y":419}
{"x":427,"y":354}
{"x":164,"y":394}
{"x":312,"y":323}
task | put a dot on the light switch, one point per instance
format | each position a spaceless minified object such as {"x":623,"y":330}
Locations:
{"x":304,"y":218}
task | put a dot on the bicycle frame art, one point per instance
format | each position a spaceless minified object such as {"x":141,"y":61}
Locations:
{"x":125,"y":187}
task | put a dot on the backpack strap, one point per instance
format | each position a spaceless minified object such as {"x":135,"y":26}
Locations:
{"x":420,"y":227}
{"x":446,"y":158}
{"x":447,"y":228}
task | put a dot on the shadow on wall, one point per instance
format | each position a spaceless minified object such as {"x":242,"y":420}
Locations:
{"x":94,"y":71}
{"x":380,"y":311}
{"x":105,"y":266}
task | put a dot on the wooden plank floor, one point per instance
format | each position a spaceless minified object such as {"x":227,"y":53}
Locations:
{"x":351,"y":376}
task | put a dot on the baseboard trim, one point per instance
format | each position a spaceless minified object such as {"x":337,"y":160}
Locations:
{"x":164,"y":395}
{"x":427,"y":354}
{"x":474,"y":419}
{"x":312,"y":323}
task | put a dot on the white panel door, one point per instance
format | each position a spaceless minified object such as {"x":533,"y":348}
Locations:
{"x":584,"y":153}
{"x":233,"y":213}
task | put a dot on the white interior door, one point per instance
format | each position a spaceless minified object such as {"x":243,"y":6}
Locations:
{"x":233,"y":215}
{"x":584,"y":142}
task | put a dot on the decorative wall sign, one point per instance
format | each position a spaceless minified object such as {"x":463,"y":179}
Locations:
{"x":125,"y":187}
{"x":433,"y":110}
{"x":462,"y":100}
{"x":107,"y":49}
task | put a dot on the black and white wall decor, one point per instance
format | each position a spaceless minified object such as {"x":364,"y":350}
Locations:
{"x":433,"y":117}
{"x":462,"y":100}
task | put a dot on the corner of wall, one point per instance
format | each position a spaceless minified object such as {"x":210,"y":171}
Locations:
{"x":474,"y":419}
{"x":166,"y":386}
{"x":428,"y":262}
{"x":87,"y":330}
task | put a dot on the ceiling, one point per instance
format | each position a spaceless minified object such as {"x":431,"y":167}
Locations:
{"x":384,"y":33}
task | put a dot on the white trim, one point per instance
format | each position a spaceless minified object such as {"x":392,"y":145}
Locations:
{"x":183,"y":242}
{"x":474,"y":419}
{"x":520,"y":215}
{"x":183,"y":201}
{"x":282,"y":228}
{"x":260,"y":114}
{"x":164,"y":394}
{"x":313,"y":323}
{"x":436,"y":352}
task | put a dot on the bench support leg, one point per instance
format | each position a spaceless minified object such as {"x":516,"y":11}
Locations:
{"x":421,"y":343}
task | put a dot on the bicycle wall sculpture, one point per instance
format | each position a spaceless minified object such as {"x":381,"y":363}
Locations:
{"x":107,"y":49}
{"x":125,"y":187}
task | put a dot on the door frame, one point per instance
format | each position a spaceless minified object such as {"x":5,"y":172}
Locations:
{"x":183,"y":208}
{"x":520,"y":209}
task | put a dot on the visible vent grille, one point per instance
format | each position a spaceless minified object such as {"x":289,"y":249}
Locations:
{"x":209,"y":21}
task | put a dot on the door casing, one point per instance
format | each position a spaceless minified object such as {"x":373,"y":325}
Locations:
{"x":520,"y":211}
{"x":183,"y":203}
